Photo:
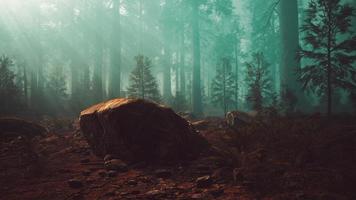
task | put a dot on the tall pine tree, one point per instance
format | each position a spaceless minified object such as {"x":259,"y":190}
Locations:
{"x":142,"y":83}
{"x":57,"y":90}
{"x":331,"y":54}
{"x":259,"y":82}
{"x":223,"y":86}
{"x":9,"y":92}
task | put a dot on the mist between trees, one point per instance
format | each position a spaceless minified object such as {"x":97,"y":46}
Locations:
{"x":198,"y":56}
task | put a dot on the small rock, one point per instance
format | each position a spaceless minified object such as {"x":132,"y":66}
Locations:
{"x":217,"y":192}
{"x":102,"y":173}
{"x":90,"y":181}
{"x":237,"y":175}
{"x":204,"y":181}
{"x":108,"y":157}
{"x":197,"y":196}
{"x":93,"y":169}
{"x":116,"y":164}
{"x":132,"y":182}
{"x":112,"y":173}
{"x":300,"y":195}
{"x":110,"y":193}
{"x":145,"y":179}
{"x":153,"y":193}
{"x":86,"y":173}
{"x":86,"y":153}
{"x":163,"y":173}
{"x":74,"y":183}
{"x":85,"y":160}
{"x":135,"y":192}
{"x":77,"y":197}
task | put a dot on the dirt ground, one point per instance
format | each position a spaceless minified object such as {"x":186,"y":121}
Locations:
{"x":61,"y":166}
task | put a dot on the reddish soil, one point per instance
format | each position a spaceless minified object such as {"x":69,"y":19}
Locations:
{"x":61,"y":166}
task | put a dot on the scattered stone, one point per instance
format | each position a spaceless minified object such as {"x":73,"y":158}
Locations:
{"x":87,"y":152}
{"x":74,"y":183}
{"x":197,"y":196}
{"x":145,"y":179}
{"x":86,"y":173}
{"x":85,"y":160}
{"x":135,"y":192}
{"x":237,"y":175}
{"x":77,"y":197}
{"x":90,"y":181}
{"x":102,"y":173}
{"x":132,"y":182}
{"x":93,"y":169}
{"x":108,"y":157}
{"x":153,"y":193}
{"x":300,"y":195}
{"x":116,"y":164}
{"x":163,"y":173}
{"x":204,"y":181}
{"x":110,"y":193}
{"x":112,"y":173}
{"x":217,"y":192}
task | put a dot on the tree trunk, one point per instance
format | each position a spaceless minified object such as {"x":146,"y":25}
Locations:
{"x":97,"y":79}
{"x":236,"y":75}
{"x":33,"y":100}
{"x":196,"y":83}
{"x":224,"y":86}
{"x":182,"y":62}
{"x":167,"y":85}
{"x":140,"y":34}
{"x":40,"y":65}
{"x":177,"y":79}
{"x":115,"y":65}
{"x":290,"y":41}
{"x":328,"y":70}
{"x":74,"y":77}
{"x":25,"y":84}
{"x":86,"y":84}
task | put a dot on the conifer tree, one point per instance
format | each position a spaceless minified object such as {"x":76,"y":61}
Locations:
{"x":56,"y":90}
{"x":57,"y":83}
{"x":9,"y":93}
{"x":259,"y":82}
{"x":223,"y":86}
{"x":142,"y":83}
{"x":331,"y":55}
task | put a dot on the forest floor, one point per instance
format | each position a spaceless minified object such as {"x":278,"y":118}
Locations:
{"x":291,"y":159}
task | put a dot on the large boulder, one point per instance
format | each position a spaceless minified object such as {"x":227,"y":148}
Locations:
{"x":139,"y":130}
{"x":14,"y":127}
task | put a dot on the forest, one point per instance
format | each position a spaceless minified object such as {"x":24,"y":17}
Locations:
{"x":205,"y":57}
{"x":178,"y":99}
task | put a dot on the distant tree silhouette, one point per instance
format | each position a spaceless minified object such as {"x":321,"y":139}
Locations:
{"x":10,"y":94}
{"x":57,"y":89}
{"x":223,"y":86}
{"x":142,"y":83}
{"x":331,"y":56}
{"x":258,"y":81}
{"x":179,"y":103}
